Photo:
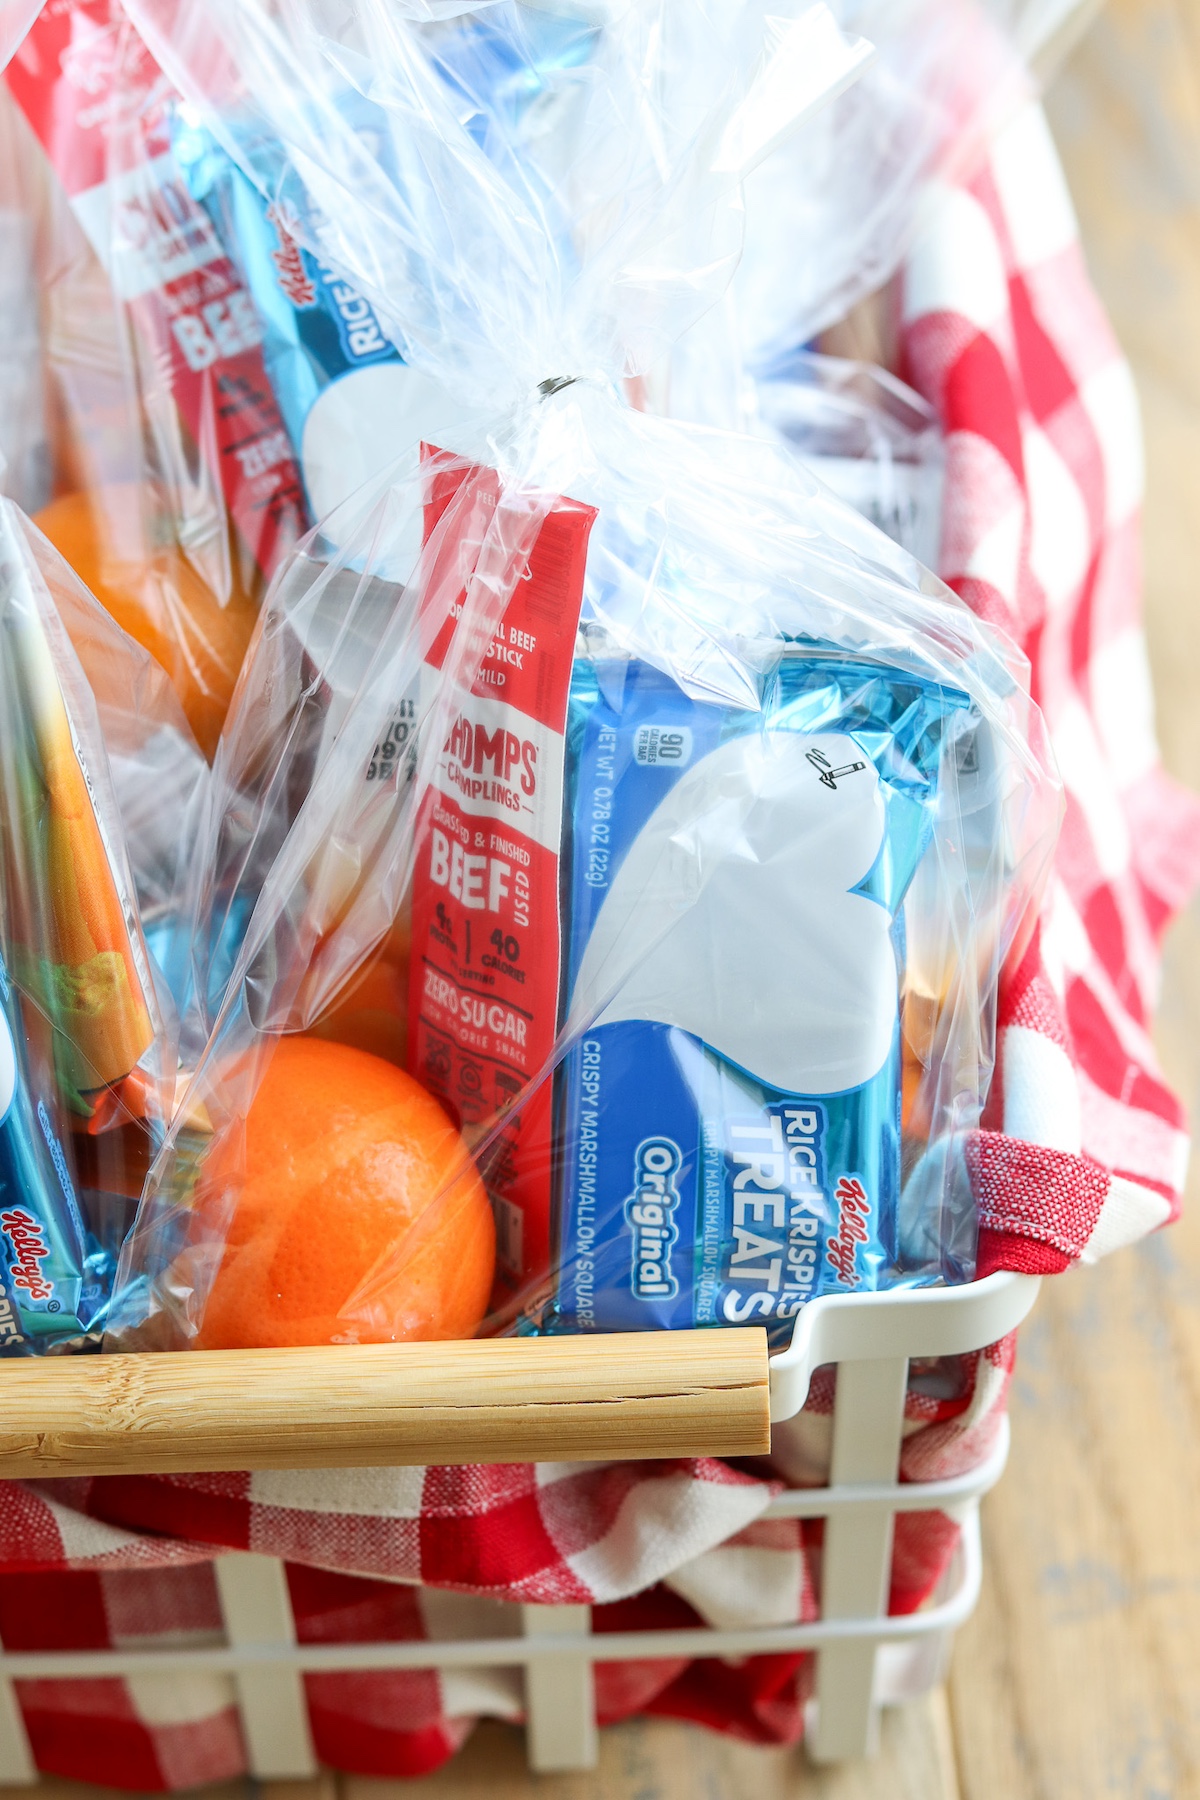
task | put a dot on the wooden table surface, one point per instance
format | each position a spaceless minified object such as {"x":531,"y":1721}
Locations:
{"x":1079,"y":1676}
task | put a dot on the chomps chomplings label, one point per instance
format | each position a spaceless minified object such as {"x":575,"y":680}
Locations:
{"x":729,"y":1116}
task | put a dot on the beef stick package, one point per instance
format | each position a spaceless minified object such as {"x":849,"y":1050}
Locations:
{"x":607,"y":752}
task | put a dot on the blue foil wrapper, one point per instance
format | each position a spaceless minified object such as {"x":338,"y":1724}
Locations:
{"x":54,"y":1276}
{"x":729,"y":1124}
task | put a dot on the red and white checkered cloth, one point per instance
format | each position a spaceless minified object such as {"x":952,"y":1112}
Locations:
{"x":1003,"y":333}
{"x":1005,"y":336}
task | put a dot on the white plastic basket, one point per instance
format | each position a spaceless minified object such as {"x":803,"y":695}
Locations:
{"x":865,"y":1659}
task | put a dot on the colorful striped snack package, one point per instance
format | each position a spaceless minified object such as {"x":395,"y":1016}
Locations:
{"x":86,"y":1047}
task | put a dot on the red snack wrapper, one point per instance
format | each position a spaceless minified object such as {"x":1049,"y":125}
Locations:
{"x":487,"y":927}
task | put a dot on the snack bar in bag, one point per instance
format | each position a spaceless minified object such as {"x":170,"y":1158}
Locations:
{"x":341,"y":383}
{"x":177,"y":490}
{"x":684,"y":740}
{"x":760,"y":1120}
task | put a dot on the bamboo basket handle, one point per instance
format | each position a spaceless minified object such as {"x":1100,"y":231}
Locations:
{"x":594,"y":1399}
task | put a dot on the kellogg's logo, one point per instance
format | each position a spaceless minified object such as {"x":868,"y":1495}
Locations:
{"x":854,"y":1212}
{"x":294,"y":279}
{"x":29,"y":1249}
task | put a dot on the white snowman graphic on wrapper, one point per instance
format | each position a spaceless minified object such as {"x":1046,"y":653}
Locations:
{"x":734,"y":916}
{"x":8,"y":1069}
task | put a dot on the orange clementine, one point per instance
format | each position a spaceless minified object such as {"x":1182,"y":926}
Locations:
{"x":126,"y":553}
{"x":349,"y":1169}
{"x":371,"y":1012}
{"x":920,"y":1022}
